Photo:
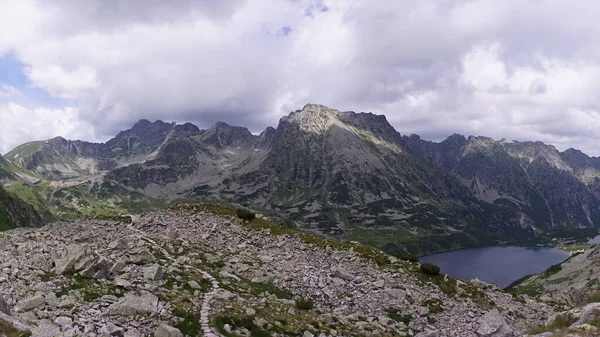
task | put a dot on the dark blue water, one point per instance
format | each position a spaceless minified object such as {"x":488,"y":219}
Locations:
{"x":501,"y":265}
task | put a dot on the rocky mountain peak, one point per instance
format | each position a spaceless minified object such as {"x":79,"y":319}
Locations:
{"x":456,"y":138}
{"x":314,"y":118}
{"x":222,"y":134}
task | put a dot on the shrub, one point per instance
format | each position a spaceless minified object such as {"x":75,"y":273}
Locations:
{"x":408,"y":257}
{"x":593,"y":298}
{"x":555,"y":268}
{"x":304,"y":304}
{"x":430,"y":269}
{"x":245,"y":214}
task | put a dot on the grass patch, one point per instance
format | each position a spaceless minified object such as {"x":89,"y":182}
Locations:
{"x":89,"y":288}
{"x":260,"y":288}
{"x":305,"y":304}
{"x":561,"y":322}
{"x":532,"y":290}
{"x":246,"y":322}
{"x":47,"y":277}
{"x":190,"y":326}
{"x":593,"y":298}
{"x":397,"y":316}
{"x":434,"y":306}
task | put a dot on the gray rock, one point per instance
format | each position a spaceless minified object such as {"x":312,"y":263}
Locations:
{"x":589,"y":314}
{"x":17,"y":324}
{"x":67,"y":303}
{"x":99,"y":269}
{"x":493,"y":324}
{"x":194,"y":285}
{"x":575,"y":297}
{"x":73,"y":254}
{"x":172,"y":233}
{"x":64,"y":322}
{"x":153,"y":272}
{"x":112,"y":330}
{"x":343,"y":274}
{"x":132,"y":332}
{"x":142,"y":256}
{"x":45,"y":330}
{"x":132,"y":304}
{"x":30,"y":303}
{"x":167,"y":331}
{"x":4,"y":306}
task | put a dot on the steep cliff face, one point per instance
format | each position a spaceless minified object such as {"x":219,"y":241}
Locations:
{"x":15,"y":212}
{"x":551,"y":189}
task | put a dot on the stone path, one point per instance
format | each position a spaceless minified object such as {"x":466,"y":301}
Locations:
{"x":204,"y":313}
{"x":205,"y":310}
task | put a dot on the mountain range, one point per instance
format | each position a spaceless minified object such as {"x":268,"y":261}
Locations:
{"x":344,"y":174}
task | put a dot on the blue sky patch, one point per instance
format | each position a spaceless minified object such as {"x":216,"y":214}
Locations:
{"x":12,"y":73}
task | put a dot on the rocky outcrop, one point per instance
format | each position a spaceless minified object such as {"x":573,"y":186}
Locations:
{"x":223,"y":275}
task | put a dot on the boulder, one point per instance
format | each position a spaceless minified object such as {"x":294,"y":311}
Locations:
{"x":73,"y":254}
{"x":17,"y":324}
{"x":142,"y":256}
{"x":343,"y":274}
{"x":154,"y":272}
{"x":100,"y":269}
{"x":111,"y":329}
{"x":64,"y":322}
{"x":493,"y":324}
{"x":172,"y":233}
{"x":30,"y":303}
{"x":4,"y":306}
{"x":167,"y":331}
{"x":144,"y":303}
{"x":575,"y":297}
{"x":45,"y":330}
{"x":589,"y":314}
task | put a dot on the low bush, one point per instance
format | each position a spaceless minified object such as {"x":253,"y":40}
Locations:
{"x":245,"y":214}
{"x":593,"y":298}
{"x":408,"y":257}
{"x":553,"y":269}
{"x":430,"y":269}
{"x":304,"y":304}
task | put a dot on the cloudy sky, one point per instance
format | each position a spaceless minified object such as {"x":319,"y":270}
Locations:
{"x":517,"y":69}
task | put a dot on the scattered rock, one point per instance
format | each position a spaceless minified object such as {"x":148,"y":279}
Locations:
{"x":133,"y":304}
{"x":167,"y":331}
{"x":493,"y":324}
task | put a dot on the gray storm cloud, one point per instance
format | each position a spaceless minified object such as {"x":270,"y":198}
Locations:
{"x":522,"y":70}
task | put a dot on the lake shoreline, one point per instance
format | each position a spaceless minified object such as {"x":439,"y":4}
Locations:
{"x":525,"y":243}
{"x":499,"y":264}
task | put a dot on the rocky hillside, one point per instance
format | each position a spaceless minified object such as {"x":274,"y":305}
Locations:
{"x":195,"y":270}
{"x":14,"y":212}
{"x":343,"y":174}
{"x":572,"y":287}
{"x":571,"y":283}
{"x":549,"y":188}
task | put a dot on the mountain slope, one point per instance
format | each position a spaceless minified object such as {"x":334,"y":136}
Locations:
{"x":552,"y":189}
{"x":14,"y":212}
{"x":340,"y":173}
